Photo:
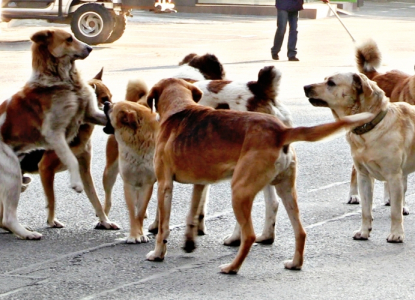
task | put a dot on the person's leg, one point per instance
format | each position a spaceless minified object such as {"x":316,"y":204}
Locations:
{"x":292,"y":36}
{"x":282,"y":18}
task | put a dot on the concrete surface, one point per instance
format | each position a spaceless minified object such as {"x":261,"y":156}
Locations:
{"x":77,"y":262}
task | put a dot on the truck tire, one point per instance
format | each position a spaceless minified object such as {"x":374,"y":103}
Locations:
{"x":92,"y":23}
{"x":120,"y":22}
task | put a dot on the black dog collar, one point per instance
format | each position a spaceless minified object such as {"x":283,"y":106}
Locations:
{"x":370,"y":125}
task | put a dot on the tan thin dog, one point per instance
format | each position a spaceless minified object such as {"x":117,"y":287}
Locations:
{"x":201,"y":145}
{"x":382,"y":149}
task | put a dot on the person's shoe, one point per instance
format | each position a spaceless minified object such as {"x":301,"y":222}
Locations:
{"x":275,"y":56}
{"x":293,"y":58}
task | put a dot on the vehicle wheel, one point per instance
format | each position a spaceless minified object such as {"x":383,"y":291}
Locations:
{"x":120,"y":22}
{"x":92,"y":23}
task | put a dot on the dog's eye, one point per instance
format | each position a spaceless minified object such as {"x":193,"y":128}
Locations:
{"x":331,"y":83}
{"x":105,"y":99}
{"x":69,"y":39}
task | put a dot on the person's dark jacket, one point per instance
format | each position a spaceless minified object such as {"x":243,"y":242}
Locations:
{"x":289,"y":5}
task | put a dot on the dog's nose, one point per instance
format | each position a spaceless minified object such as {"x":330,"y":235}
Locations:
{"x":307,"y":89}
{"x":89,"y":49}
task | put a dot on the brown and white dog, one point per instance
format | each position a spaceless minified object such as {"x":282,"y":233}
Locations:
{"x":397,"y":85}
{"x":46,"y":164}
{"x":192,"y":67}
{"x":201,"y":145}
{"x":46,"y":113}
{"x":382,"y":149}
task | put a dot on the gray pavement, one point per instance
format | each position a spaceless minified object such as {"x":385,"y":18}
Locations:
{"x":77,"y":262}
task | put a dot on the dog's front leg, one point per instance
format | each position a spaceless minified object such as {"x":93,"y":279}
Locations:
{"x":365,"y":183}
{"x":164,"y":196}
{"x":396,"y":189}
{"x":353,"y":192}
{"x":386,"y":195}
{"x":191,"y":222}
{"x":94,"y":116}
{"x":58,"y":143}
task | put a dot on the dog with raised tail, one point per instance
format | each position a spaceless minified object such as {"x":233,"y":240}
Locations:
{"x":200,"y":145}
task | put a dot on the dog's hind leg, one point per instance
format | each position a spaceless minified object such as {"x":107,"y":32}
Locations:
{"x":286,"y":190}
{"x":353,"y":192}
{"x":110,"y":172}
{"x":47,"y":168}
{"x":271,"y":208}
{"x":10,"y":189}
{"x":193,"y":218}
{"x":84,"y":160}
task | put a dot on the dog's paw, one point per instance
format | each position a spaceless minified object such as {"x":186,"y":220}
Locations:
{"x":77,"y":187}
{"x":361,"y":235}
{"x":232,"y":240}
{"x":137,"y":240}
{"x":290,"y":265}
{"x":102,"y":225}
{"x":55,"y":224}
{"x":264,"y":239}
{"x":228,"y":269}
{"x":32,"y":235}
{"x":153,"y":228}
{"x":153,"y":256}
{"x":396,"y":237}
{"x":354,"y":199}
{"x":189,"y":246}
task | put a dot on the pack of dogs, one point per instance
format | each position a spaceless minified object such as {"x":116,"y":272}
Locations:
{"x":198,"y":127}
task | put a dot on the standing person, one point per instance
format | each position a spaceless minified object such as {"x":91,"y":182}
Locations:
{"x":287,"y":12}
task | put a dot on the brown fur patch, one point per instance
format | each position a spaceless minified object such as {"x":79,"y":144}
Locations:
{"x":215,"y":86}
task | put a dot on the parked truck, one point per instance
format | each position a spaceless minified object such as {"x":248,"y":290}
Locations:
{"x":92,"y":21}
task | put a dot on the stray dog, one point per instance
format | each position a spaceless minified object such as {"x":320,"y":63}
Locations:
{"x":192,"y":67}
{"x":136,"y":92}
{"x":382,"y":149}
{"x":257,"y":96}
{"x":397,"y":85}
{"x":201,"y":145}
{"x":46,"y":163}
{"x":46,"y":113}
{"x":134,"y":127}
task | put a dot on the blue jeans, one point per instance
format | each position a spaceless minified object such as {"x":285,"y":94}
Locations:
{"x":284,"y":17}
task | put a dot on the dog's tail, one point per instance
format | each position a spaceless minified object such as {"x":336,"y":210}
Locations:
{"x":137,"y":91}
{"x":368,"y":58}
{"x":269,"y":79}
{"x":319,"y":132}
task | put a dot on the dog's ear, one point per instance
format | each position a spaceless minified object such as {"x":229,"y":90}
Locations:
{"x":362,"y":85}
{"x":196,"y":92}
{"x":99,"y":75}
{"x":41,"y":37}
{"x":153,"y":97}
{"x":129,"y":118}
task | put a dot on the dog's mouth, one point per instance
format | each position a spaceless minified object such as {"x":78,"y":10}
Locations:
{"x":108,"y":129}
{"x":318,"y":102}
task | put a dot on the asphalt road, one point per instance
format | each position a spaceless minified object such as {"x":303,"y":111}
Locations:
{"x":78,"y":262}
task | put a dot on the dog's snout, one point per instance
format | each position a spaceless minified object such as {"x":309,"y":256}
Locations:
{"x":308,"y":89}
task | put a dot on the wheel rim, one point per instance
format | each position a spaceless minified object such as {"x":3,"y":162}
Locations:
{"x":90,"y":24}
